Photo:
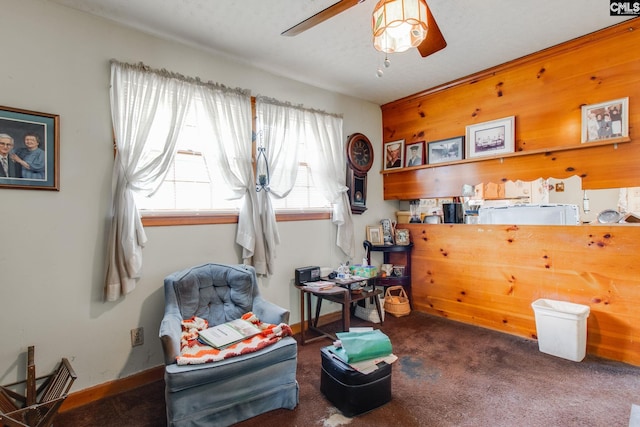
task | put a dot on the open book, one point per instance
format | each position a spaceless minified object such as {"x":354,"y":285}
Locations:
{"x":223,"y":335}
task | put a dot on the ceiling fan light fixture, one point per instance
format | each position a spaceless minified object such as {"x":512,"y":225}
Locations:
{"x":399,"y":25}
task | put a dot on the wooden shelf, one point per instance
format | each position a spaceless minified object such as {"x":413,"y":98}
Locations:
{"x":612,"y":141}
{"x":391,"y":252}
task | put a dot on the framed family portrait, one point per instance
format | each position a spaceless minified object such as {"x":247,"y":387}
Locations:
{"x":446,"y":150}
{"x":605,"y":120}
{"x":374,"y":234}
{"x":491,"y":138}
{"x":29,"y":150}
{"x":394,"y":154}
{"x":414,"y":154}
{"x":402,"y":237}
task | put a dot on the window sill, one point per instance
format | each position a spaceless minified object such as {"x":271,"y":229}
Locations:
{"x":174,"y":219}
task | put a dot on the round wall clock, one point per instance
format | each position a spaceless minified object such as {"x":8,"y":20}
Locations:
{"x":360,"y":152}
{"x":359,"y":161}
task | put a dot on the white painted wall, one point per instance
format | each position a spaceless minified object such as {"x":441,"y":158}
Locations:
{"x":56,"y":60}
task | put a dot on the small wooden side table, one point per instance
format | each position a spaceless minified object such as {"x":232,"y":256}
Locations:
{"x":341,"y":295}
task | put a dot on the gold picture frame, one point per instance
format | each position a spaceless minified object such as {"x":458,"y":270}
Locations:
{"x":374,"y":235}
{"x":403,"y":238}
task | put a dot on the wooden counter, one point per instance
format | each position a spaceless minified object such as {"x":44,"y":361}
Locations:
{"x":488,"y":275}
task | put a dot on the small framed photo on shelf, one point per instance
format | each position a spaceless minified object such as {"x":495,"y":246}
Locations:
{"x":402,"y":237}
{"x":394,"y":154}
{"x":446,"y":150}
{"x":605,"y":120}
{"x":414,"y":154}
{"x":374,"y":235}
{"x":388,"y":231}
{"x":491,"y":138}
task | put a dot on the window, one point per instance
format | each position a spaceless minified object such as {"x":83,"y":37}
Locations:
{"x":304,"y":195}
{"x":194,"y":186}
{"x":153,"y":110}
{"x":193,"y":182}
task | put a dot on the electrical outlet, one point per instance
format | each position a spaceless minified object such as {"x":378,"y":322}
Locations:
{"x":137,"y":336}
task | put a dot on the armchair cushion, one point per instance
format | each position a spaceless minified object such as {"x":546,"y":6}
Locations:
{"x":181,"y":377}
{"x":214,"y":294}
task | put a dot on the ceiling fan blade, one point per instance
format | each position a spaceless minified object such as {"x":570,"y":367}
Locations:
{"x":435,"y":40}
{"x":321,"y":16}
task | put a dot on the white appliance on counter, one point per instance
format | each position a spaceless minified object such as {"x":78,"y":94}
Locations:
{"x":550,"y":214}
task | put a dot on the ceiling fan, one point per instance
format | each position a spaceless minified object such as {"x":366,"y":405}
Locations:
{"x":432,"y":43}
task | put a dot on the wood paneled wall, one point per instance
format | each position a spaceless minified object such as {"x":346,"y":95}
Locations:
{"x":545,"y":92}
{"x":489,"y":275}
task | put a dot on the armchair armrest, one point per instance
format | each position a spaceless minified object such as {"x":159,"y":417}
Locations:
{"x":170,"y":332}
{"x":269,"y":312}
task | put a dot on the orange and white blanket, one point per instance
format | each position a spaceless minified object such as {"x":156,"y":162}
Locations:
{"x":193,"y":352}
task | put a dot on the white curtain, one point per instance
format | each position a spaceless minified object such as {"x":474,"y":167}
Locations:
{"x":140,"y":100}
{"x":280,"y":127}
{"x":229,"y":114}
{"x":148,"y":109}
{"x":328,"y":163}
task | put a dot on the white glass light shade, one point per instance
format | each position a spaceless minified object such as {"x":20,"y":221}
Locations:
{"x":399,"y":24}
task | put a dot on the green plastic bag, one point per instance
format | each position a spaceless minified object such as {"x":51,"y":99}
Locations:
{"x":358,"y":346}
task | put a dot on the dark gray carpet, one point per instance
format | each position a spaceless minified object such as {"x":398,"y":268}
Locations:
{"x":448,"y":374}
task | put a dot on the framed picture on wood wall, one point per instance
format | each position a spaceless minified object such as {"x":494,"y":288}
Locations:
{"x":446,"y":150}
{"x":414,"y":154}
{"x":29,"y":150}
{"x":491,"y":138}
{"x":605,"y":120}
{"x":394,"y":154}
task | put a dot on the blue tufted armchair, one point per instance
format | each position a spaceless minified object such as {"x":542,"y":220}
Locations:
{"x":235,"y":389}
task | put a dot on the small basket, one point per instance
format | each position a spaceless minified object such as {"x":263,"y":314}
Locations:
{"x":396,"y":305}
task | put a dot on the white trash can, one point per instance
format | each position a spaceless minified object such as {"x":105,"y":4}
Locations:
{"x":562,"y":328}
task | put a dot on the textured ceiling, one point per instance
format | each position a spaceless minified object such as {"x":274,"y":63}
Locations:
{"x":338,"y":54}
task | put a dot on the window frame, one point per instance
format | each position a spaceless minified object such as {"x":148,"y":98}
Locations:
{"x":204,"y":217}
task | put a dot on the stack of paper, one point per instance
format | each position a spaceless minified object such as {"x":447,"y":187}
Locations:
{"x":322,"y":286}
{"x":319,"y":284}
{"x":363,"y":349}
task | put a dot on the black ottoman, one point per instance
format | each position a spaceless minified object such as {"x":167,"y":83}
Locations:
{"x":353,"y":392}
